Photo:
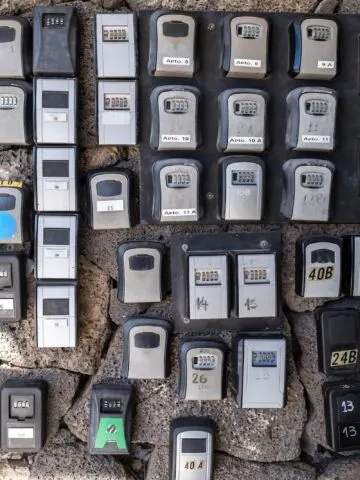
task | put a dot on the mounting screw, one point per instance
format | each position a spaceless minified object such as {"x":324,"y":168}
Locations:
{"x":210,"y":196}
{"x":264,"y":244}
{"x":186,"y":320}
{"x":185,"y":247}
{"x":211,"y":26}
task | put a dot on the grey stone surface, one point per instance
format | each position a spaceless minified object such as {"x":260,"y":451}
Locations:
{"x":62,"y":388}
{"x":263,"y":435}
{"x":17,"y":341}
{"x":118,"y":311}
{"x":66,"y":458}
{"x":349,"y":6}
{"x":231,"y":468}
{"x":14,"y":470}
{"x":327,"y":6}
{"x":304,"y":329}
{"x":251,"y":5}
{"x":100,"y":157}
{"x":342,"y":469}
{"x":19,"y":7}
{"x":155,"y":4}
{"x":16,"y":164}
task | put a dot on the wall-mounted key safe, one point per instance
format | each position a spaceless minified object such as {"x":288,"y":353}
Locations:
{"x":23,"y":415}
{"x":172,"y":45}
{"x":110,"y":201}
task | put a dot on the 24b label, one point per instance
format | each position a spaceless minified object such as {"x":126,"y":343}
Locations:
{"x":344,"y":357}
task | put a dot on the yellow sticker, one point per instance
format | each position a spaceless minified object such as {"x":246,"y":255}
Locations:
{"x":320,"y":273}
{"x":9,"y":183}
{"x":343,"y":357}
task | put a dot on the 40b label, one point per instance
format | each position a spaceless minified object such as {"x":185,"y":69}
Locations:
{"x":321,"y":273}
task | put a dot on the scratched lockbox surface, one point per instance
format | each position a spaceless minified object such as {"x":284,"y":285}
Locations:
{"x":208,"y":90}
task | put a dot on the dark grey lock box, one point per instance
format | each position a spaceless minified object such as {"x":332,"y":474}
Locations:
{"x":23,"y":415}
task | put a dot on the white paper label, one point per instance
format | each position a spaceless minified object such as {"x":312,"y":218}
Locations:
{"x":56,"y":185}
{"x":56,"y":253}
{"x":247,"y":62}
{"x":178,"y":61}
{"x":6,"y":304}
{"x":176,"y":138}
{"x":178,"y":212}
{"x":55,"y":117}
{"x":316,"y":138}
{"x":20,"y":433}
{"x":110,"y":205}
{"x":246,"y":140}
{"x":325,"y":64}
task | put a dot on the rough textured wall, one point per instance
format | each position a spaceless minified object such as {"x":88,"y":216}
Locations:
{"x":287,"y":444}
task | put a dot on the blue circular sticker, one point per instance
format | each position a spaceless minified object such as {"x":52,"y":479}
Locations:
{"x":7,"y":226}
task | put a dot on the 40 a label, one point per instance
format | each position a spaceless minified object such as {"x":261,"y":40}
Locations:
{"x":194,"y":465}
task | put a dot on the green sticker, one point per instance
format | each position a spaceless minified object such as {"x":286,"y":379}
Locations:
{"x":111,"y":430}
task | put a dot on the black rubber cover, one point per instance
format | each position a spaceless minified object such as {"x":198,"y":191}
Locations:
{"x":55,"y":49}
{"x":348,"y":266}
